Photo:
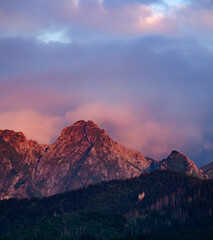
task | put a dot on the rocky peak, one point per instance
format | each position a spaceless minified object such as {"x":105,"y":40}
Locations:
{"x":177,"y":161}
{"x":18,"y":140}
{"x":12,"y":136}
{"x":28,"y":150}
{"x":15,"y":139}
{"x":177,"y":156}
{"x":180,"y":157}
{"x":85,"y":154}
{"x":89,"y":123}
{"x":79,"y":125}
{"x":175,"y":153}
{"x":81,"y":131}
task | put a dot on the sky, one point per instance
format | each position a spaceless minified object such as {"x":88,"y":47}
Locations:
{"x":140,"y":69}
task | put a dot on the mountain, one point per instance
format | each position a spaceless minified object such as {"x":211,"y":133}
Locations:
{"x":15,"y":177}
{"x":83,"y":154}
{"x":180,"y":163}
{"x":157,"y":205}
{"x":208,"y":169}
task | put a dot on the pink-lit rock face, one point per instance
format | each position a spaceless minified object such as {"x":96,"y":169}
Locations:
{"x":82,"y":155}
{"x":28,"y":150}
{"x":16,"y":174}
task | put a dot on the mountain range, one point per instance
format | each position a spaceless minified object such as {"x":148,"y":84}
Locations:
{"x":82,"y":155}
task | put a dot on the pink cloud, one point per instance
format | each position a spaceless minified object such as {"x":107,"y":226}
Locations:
{"x":139,"y":130}
{"x":96,"y":18}
{"x":29,"y":91}
{"x":90,"y":16}
{"x":40,"y":127}
{"x":19,"y":22}
{"x":133,"y":19}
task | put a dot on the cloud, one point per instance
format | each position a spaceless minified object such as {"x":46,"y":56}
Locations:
{"x":83,"y":20}
{"x":40,"y":127}
{"x":77,"y":18}
{"x":139,"y":66}
{"x":18,"y":93}
{"x":200,"y":20}
{"x":52,"y":36}
{"x":167,"y":79}
{"x":140,"y":130}
{"x":126,"y":19}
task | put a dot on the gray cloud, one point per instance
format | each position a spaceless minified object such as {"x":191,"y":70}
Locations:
{"x":168,"y":77}
{"x":152,"y":69}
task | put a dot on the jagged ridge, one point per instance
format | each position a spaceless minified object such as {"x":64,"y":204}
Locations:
{"x":83,"y":154}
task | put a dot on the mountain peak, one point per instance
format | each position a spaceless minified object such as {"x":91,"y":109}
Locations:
{"x":175,"y":152}
{"x":83,"y":122}
{"x":85,"y":131}
{"x":10,"y":135}
{"x":177,"y":155}
{"x":79,"y":125}
{"x":85,"y":154}
{"x":179,"y":162}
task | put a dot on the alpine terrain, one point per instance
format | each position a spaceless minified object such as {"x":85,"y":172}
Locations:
{"x":83,"y":154}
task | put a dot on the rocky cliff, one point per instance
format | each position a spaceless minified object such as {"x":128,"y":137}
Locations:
{"x":178,"y":162}
{"x":83,"y":154}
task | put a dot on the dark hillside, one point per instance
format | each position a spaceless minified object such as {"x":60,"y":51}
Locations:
{"x":172,"y":201}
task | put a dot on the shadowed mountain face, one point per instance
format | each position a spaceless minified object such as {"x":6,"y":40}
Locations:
{"x":208,"y":169}
{"x":159,"y":202}
{"x":180,"y":163}
{"x":84,"y":154}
